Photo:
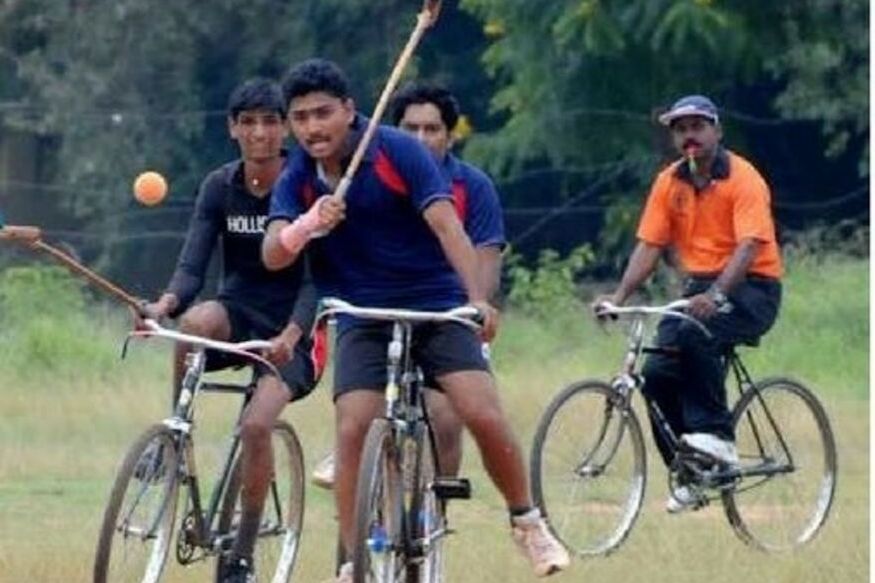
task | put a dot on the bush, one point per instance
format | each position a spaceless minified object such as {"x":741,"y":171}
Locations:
{"x":849,"y":238}
{"x":46,"y":325}
{"x":549,"y":289}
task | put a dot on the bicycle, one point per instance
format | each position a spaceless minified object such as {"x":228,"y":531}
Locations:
{"x":401,"y":496}
{"x":588,"y":461}
{"x":138,"y":522}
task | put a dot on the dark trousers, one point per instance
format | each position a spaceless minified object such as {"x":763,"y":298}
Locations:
{"x":689,"y":386}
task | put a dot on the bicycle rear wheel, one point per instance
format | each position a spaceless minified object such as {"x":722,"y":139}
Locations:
{"x":138,"y":521}
{"x":427,"y":516}
{"x":588,"y":467}
{"x":787,"y":503}
{"x":378,"y":555}
{"x":279,"y":533}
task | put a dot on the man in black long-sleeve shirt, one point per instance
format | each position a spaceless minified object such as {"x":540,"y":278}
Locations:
{"x":252,"y":302}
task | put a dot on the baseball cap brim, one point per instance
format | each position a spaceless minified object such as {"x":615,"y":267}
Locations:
{"x":687,"y":111}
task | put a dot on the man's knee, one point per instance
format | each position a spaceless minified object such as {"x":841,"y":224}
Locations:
{"x":489,"y":419}
{"x":254,"y":431}
{"x":206,"y":319}
{"x":692,"y":339}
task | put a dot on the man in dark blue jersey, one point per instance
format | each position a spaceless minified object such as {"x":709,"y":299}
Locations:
{"x":396,"y":241}
{"x":430,"y":113}
{"x":252,"y":303}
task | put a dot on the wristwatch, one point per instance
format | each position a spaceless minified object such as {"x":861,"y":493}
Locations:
{"x":717,"y":296}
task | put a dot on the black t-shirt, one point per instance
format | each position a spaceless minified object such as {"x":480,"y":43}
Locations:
{"x":227,"y":211}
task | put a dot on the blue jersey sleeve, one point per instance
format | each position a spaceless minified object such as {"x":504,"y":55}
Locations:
{"x":285,"y":198}
{"x":484,"y":222}
{"x":418,"y":168}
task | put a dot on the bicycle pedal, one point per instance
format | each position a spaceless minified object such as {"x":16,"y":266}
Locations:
{"x":452,"y":488}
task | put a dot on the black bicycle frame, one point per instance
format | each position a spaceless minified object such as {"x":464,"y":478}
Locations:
{"x":744,"y":383}
{"x":203,"y":522}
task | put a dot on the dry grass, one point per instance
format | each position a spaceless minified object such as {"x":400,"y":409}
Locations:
{"x":61,"y":444}
{"x":61,"y":438}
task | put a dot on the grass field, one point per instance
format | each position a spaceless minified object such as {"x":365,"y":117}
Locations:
{"x":65,"y":428}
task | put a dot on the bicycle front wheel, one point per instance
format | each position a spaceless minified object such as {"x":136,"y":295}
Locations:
{"x":788,"y":461}
{"x":378,"y":555}
{"x":279,"y":532}
{"x":427,"y":516}
{"x":588,"y":467}
{"x":138,"y":521}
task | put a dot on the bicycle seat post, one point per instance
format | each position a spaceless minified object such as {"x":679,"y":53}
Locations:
{"x":395,"y":351}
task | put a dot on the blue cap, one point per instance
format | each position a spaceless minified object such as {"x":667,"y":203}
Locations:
{"x":697,"y":105}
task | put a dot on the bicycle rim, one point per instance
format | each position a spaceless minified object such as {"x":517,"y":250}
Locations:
{"x":279,"y":533}
{"x":138,"y":521}
{"x":588,"y":468}
{"x":783,"y":510}
{"x":377,"y":555}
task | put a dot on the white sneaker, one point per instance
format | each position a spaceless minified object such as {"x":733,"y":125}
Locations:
{"x":537,"y":543}
{"x":323,"y":474}
{"x":681,"y":499}
{"x":708,"y":443}
{"x":344,"y":575}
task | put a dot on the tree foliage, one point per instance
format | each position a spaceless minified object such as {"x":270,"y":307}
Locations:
{"x":578,"y":77}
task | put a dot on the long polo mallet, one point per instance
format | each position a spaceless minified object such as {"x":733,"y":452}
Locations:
{"x":32,"y":238}
{"x":424,"y":20}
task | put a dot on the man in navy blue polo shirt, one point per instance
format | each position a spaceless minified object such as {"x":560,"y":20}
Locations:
{"x":430,"y":114}
{"x":396,"y":241}
{"x":253,"y":303}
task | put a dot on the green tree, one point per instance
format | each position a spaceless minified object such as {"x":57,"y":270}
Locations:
{"x":579,"y":83}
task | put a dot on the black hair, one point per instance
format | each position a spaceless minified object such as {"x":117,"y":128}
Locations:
{"x":256,"y":93}
{"x":312,"y":76}
{"x":418,"y":93}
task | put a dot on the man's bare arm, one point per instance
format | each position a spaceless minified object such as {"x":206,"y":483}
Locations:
{"x":641,"y":265}
{"x":273,"y":254}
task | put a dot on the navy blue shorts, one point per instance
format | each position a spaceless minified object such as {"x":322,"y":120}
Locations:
{"x":438,"y":349}
{"x":300,"y":374}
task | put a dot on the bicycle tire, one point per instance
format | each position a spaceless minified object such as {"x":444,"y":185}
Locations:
{"x":378,"y":555}
{"x":427,"y":516}
{"x":588,"y":467}
{"x":772,"y":512}
{"x":153,"y":535}
{"x":276,"y":549}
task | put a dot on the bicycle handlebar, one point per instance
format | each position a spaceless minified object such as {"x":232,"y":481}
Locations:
{"x":465,"y":315}
{"x":673,"y":309}
{"x":243,"y":349}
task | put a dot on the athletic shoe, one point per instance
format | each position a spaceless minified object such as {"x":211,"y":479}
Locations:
{"x":237,"y":570}
{"x":323,"y":475}
{"x":344,"y":575}
{"x":537,"y":543}
{"x":681,"y":499}
{"x":709,"y":444}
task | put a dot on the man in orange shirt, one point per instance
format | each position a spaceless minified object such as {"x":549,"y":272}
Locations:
{"x":711,"y":209}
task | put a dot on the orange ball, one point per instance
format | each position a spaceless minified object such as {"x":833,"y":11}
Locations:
{"x":150,"y":188}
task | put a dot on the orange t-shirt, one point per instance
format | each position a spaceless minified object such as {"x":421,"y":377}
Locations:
{"x":705,"y":227}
